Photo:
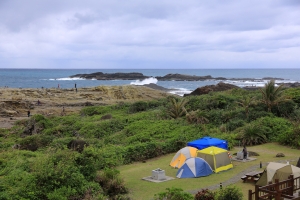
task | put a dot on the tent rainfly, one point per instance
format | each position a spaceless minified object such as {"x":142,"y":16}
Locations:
{"x":216,"y":157}
{"x":182,"y":155}
{"x":278,"y":171}
{"x":194,"y":167}
{"x":205,"y":142}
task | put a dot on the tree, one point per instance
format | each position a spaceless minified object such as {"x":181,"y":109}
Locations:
{"x":177,"y":109}
{"x":246,"y":102}
{"x":272,"y":95}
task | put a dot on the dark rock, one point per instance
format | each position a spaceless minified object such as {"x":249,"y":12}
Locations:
{"x":292,"y":85}
{"x":16,"y":146}
{"x":108,"y":116}
{"x":280,"y":155}
{"x":112,"y":76}
{"x":251,"y":153}
{"x":212,"y":88}
{"x":156,"y":87}
{"x":77,"y":145}
{"x":182,"y":77}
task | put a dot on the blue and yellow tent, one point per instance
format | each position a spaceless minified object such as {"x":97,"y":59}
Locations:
{"x":194,"y":167}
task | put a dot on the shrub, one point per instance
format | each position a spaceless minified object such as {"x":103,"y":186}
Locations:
{"x":252,"y":135}
{"x":77,"y":145}
{"x":35,"y":142}
{"x":291,"y":137}
{"x":172,"y":194}
{"x":95,"y":110}
{"x":111,"y":183}
{"x":234,"y":124}
{"x":271,"y":127}
{"x":138,"y":107}
{"x":205,"y":194}
{"x":284,"y":109}
{"x":230,"y":192}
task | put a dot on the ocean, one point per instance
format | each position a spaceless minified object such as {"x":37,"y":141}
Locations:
{"x":51,"y":78}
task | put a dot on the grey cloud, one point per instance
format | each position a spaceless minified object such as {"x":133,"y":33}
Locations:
{"x":147,"y":30}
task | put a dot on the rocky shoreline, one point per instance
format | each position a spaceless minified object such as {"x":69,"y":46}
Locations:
{"x":16,"y":102}
{"x":168,"y":77}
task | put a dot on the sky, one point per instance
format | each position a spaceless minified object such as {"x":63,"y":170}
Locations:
{"x":156,"y":34}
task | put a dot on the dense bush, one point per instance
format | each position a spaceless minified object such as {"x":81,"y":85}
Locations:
{"x":204,"y":194}
{"x":111,"y":183}
{"x":34,"y":142}
{"x":96,"y":110}
{"x":271,"y":127}
{"x":252,"y":135}
{"x":48,"y":175}
{"x":291,"y":137}
{"x":229,"y":192}
{"x":284,"y":109}
{"x":172,"y":194}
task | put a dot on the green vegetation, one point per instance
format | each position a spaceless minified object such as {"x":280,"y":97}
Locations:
{"x":75,"y":156}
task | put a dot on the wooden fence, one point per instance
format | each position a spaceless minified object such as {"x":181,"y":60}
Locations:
{"x":276,"y":191}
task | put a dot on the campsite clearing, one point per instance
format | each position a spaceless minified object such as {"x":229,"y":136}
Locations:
{"x":143,"y":190}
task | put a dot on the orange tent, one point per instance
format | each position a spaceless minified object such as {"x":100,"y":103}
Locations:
{"x":183,"y":154}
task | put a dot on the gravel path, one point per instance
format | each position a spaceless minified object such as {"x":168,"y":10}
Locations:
{"x":234,"y":179}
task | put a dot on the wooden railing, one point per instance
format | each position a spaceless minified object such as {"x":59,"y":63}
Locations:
{"x":277,"y":191}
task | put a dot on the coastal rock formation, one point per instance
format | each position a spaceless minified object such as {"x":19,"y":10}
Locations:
{"x":182,"y":77}
{"x":293,"y":85}
{"x":212,"y":88}
{"x":112,"y":76}
{"x":168,"y":77}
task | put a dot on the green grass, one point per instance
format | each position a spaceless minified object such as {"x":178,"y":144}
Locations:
{"x":143,"y":190}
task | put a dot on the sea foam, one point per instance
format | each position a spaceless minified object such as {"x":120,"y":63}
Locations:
{"x":145,"y":81}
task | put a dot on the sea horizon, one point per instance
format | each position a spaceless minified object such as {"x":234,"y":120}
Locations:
{"x":51,"y":78}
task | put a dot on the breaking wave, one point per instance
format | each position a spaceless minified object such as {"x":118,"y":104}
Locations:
{"x":66,"y":79}
{"x":145,"y":81}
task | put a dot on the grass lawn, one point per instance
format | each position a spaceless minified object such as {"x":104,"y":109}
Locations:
{"x":144,"y":190}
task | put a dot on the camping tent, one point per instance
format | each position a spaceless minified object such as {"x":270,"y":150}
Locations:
{"x":278,"y":171}
{"x":205,"y":142}
{"x":216,"y":157}
{"x":194,"y":167}
{"x":182,"y":155}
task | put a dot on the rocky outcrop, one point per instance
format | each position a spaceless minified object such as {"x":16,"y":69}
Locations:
{"x":293,"y":85}
{"x":112,"y":76}
{"x":212,"y":88}
{"x":182,"y":77}
{"x":168,"y":77}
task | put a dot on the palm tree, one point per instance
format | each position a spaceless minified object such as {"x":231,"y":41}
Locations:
{"x":272,"y":95}
{"x":246,"y":102}
{"x":252,"y":135}
{"x":177,"y":109}
{"x":197,"y":117}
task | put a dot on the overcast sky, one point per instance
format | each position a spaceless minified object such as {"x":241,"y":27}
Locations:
{"x":149,"y":34}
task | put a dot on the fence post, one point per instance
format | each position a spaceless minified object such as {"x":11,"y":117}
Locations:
{"x":291,"y":184}
{"x":249,"y":194}
{"x":256,"y":192}
{"x":270,"y":195}
{"x":278,"y":192}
